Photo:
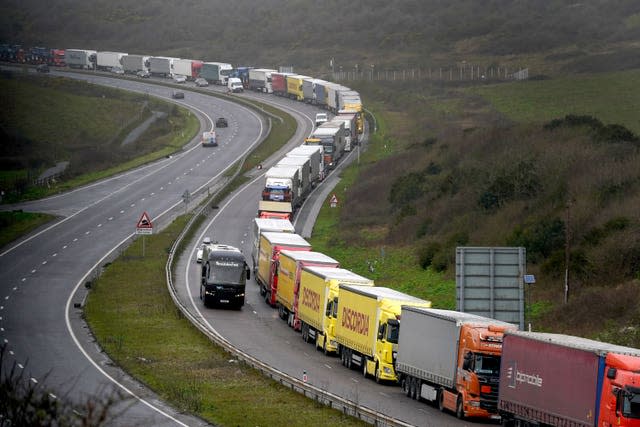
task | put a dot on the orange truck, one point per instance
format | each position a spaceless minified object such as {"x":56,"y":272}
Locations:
{"x":367,"y":327}
{"x":318,"y":303}
{"x":290,"y":268}
{"x":269,"y":247}
{"x":452,"y":358}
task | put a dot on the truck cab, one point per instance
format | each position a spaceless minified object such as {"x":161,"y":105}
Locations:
{"x":620,"y":402}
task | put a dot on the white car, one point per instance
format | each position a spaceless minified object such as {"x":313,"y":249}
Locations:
{"x":179,"y":78}
{"x":200,"y":252}
{"x":200,"y":82}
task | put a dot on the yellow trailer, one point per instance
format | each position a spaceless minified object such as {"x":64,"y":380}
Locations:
{"x":294,"y":86}
{"x":289,"y":271}
{"x":368,"y":326}
{"x":271,"y":243}
{"x":317,"y":305}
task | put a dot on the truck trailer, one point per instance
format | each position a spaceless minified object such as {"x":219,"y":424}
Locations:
{"x":161,"y":66}
{"x":80,"y":58}
{"x":315,"y":153}
{"x":290,"y":268}
{"x":350,"y":126}
{"x":131,"y":64}
{"x":190,"y":68}
{"x":318,"y":303}
{"x":261,"y":225}
{"x":331,"y":136}
{"x":260,"y":79}
{"x":560,"y":380}
{"x":105,"y":61}
{"x":269,"y":247}
{"x":452,"y":358}
{"x":282,"y":184}
{"x":305,"y":173}
{"x":275,"y":210}
{"x":367,"y":328}
{"x":224,"y":275}
{"x":279,"y":83}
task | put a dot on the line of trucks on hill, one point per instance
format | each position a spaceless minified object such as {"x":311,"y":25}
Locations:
{"x":469,"y":365}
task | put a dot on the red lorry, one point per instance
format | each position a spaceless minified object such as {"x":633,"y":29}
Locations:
{"x":560,"y":380}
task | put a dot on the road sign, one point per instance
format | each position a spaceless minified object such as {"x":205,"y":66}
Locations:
{"x":333,"y":201}
{"x":144,"y":225}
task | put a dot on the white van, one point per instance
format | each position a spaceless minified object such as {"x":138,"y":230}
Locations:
{"x":235,"y":84}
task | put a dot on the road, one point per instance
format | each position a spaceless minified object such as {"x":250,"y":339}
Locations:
{"x":44,"y":331}
{"x":39,"y":323}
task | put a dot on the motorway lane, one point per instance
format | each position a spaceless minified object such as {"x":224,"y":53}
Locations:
{"x":259,"y":331}
{"x":40,"y":272}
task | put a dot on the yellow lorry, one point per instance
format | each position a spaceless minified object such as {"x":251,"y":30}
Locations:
{"x":269,"y":247}
{"x":317,"y":305}
{"x":289,"y":271}
{"x":368,"y":326}
{"x":294,"y":86}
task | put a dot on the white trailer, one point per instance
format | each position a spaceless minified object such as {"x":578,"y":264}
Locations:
{"x":108,"y":60}
{"x":134,"y":63}
{"x":183,"y":67}
{"x":80,"y":58}
{"x":316,"y":154}
{"x":260,"y":79}
{"x":304,"y":173}
{"x":161,"y":66}
{"x":261,"y":225}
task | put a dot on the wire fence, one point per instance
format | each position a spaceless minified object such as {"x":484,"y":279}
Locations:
{"x":453,"y":73}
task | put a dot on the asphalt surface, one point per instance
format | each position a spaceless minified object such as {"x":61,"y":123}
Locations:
{"x":44,"y":274}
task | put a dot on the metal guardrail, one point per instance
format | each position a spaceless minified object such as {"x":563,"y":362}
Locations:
{"x":324,"y":397}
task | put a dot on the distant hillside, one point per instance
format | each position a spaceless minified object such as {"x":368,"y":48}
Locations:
{"x":387,"y":33}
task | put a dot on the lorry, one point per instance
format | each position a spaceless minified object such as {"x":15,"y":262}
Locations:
{"x":216,"y":72}
{"x":554,"y":379}
{"x":105,"y":61}
{"x":332,"y":96}
{"x":350,"y":127}
{"x":279,"y":83}
{"x":190,"y":68}
{"x":282,"y":184}
{"x":306,"y":179}
{"x":452,"y":358}
{"x":57,"y":58}
{"x":294,"y":86}
{"x":224,"y":275}
{"x":131,"y":64}
{"x":318,"y":303}
{"x":80,"y":58}
{"x":260,"y":79}
{"x":234,"y":84}
{"x":261,"y":225}
{"x":367,"y":328}
{"x":161,"y":66}
{"x":275,"y":210}
{"x":316,"y":155}
{"x":290,"y":267}
{"x":269,"y":247}
{"x":331,"y":136}
{"x":313,"y":91}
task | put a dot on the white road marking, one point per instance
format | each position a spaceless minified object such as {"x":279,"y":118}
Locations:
{"x":87,"y":232}
{"x":75,"y":240}
{"x":20,"y":365}
{"x":33,"y":271}
{"x":355,"y":380}
{"x":33,"y":380}
{"x":64,"y":247}
{"x":327,"y":366}
{"x":55,"y":254}
{"x":44,"y":262}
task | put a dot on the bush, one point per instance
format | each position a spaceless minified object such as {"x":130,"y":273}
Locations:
{"x":427,"y":253}
{"x":540,"y":239}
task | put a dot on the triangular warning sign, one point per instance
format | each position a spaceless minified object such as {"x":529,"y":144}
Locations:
{"x":334,"y":199}
{"x":144,"y":221}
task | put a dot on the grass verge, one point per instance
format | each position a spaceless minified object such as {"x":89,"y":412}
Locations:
{"x":18,"y":223}
{"x":137,"y":324}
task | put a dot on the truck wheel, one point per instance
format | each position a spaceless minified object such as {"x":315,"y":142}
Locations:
{"x":376,"y":374}
{"x":459,"y":408}
{"x":263,"y":290}
{"x":349,"y":359}
{"x":324,"y":347}
{"x":405,"y":386}
{"x":305,"y":332}
{"x":440,"y":398}
{"x":412,"y":388}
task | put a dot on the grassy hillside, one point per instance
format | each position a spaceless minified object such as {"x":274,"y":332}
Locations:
{"x":47,"y":120}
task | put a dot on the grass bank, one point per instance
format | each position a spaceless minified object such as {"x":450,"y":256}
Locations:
{"x":17,"y":223}
{"x":137,"y":324}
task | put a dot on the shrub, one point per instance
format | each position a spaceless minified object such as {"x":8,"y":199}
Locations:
{"x":540,"y":238}
{"x":427,"y":253}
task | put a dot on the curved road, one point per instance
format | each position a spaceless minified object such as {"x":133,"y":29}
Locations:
{"x":39,"y":323}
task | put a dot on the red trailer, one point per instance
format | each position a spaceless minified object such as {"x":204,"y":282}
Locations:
{"x":560,"y":380}
{"x":279,"y":83}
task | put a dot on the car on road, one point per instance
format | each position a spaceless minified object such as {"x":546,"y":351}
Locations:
{"x":117,"y":70}
{"x":205,"y":242}
{"x":179,"y":78}
{"x":221,"y":122}
{"x":176,"y":94}
{"x":200,"y":82}
{"x":42,"y":68}
{"x":143,"y":74}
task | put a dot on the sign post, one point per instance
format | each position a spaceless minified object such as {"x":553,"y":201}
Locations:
{"x":144,"y":227}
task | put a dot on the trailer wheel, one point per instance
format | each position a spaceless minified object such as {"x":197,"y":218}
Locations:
{"x":459,"y":408}
{"x":440,"y":398}
{"x":364,"y":368}
{"x":404,"y":383}
{"x":412,"y":388}
{"x":349,"y":360}
{"x":305,"y":332}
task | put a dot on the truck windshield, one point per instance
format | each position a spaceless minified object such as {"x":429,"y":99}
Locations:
{"x":328,"y":148}
{"x":226,"y":272}
{"x":393,"y":331}
{"x":631,"y":402}
{"x":486,"y":365}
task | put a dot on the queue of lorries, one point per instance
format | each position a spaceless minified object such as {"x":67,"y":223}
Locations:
{"x":470,"y":365}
